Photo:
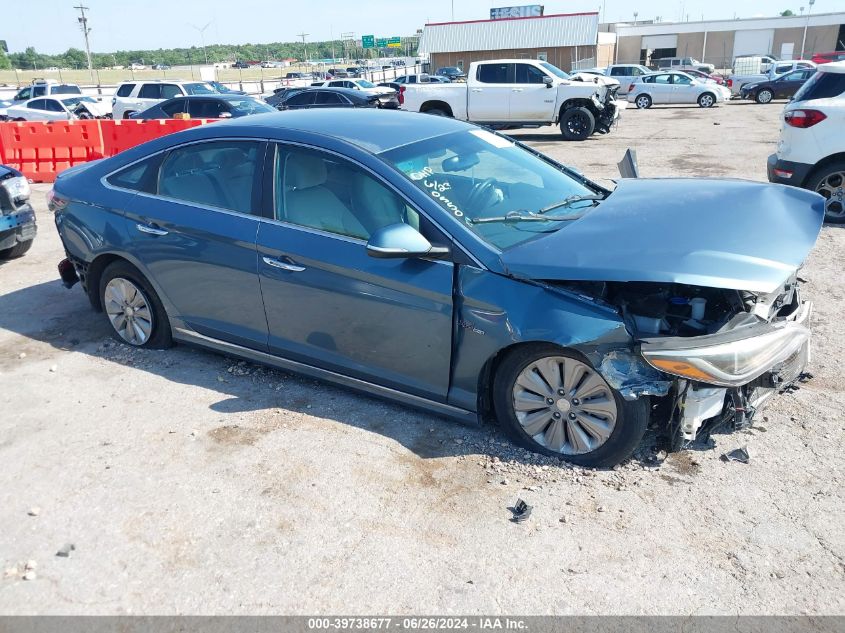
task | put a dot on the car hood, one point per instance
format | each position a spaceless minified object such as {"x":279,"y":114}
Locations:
{"x":716,"y":233}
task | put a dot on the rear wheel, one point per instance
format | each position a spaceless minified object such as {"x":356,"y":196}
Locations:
{"x":643,"y":102}
{"x":829,"y":181}
{"x":133,"y":309}
{"x":577,"y":124}
{"x":706,"y":100}
{"x":764,"y":96}
{"x":128,"y":114}
{"x":555,"y":403}
{"x":437,"y":112}
{"x":17,"y":250}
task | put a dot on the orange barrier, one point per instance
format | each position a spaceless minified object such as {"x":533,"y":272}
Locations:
{"x":40,"y":149}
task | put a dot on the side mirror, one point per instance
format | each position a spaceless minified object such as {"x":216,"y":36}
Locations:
{"x":401,"y":241}
{"x":224,"y":115}
{"x":548,"y":81}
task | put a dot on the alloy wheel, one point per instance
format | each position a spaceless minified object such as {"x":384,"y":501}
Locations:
{"x":128,"y":311}
{"x":577,"y":124}
{"x":643,"y":102}
{"x":705,"y":101}
{"x":764,"y":96}
{"x":564,"y":405}
{"x":832,"y":188}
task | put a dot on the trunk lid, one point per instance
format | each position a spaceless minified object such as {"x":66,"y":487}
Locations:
{"x":716,"y":233}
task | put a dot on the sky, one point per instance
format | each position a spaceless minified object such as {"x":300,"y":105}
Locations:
{"x":51,"y":25}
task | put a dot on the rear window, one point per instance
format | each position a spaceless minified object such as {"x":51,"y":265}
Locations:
{"x":822,"y":86}
{"x":125,"y":90}
{"x":65,"y":89}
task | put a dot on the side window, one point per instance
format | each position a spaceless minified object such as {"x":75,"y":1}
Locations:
{"x":138,"y":177}
{"x":301,"y":99}
{"x":217,"y":174}
{"x":495,"y":73}
{"x":38,"y":104}
{"x":782,"y":68}
{"x":39,"y":91}
{"x":527,"y":74}
{"x":328,"y":99}
{"x":168,"y":91}
{"x":26,"y":93}
{"x":150,"y":91}
{"x":324,"y":192}
{"x":617,"y":71}
{"x":681,"y":80}
{"x":173,"y":107}
{"x":53,"y":105}
{"x":125,"y":90}
{"x":204,"y":109}
{"x":662,"y":79}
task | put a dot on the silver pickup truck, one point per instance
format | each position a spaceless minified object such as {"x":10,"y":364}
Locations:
{"x":514,"y":93}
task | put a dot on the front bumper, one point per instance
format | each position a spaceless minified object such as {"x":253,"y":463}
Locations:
{"x":786,"y":172}
{"x":18,"y":226}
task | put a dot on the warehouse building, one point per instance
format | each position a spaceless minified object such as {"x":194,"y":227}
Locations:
{"x":720,"y":42}
{"x":568,"y":41}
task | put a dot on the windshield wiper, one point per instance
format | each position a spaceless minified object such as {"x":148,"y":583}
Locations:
{"x":569,"y":201}
{"x":514,"y":216}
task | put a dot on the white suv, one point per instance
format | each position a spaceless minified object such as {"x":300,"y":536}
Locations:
{"x":137,"y":96}
{"x":811,"y":150}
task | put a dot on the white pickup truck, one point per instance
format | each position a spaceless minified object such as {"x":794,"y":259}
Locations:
{"x":513,"y":93}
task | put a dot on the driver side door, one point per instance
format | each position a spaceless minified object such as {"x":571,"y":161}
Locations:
{"x":328,"y":303}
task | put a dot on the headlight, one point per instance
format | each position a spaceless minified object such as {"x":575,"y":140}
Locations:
{"x":729,"y":364}
{"x":17,"y":189}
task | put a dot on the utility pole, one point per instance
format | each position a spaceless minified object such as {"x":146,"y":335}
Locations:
{"x":83,"y":24}
{"x":304,"y":47}
{"x":806,"y":24}
{"x":202,"y":39}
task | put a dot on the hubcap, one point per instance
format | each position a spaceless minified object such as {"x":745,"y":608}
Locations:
{"x":128,"y":311}
{"x":832,"y":188}
{"x":642,"y":102}
{"x":707,"y":101}
{"x":578,"y":422}
{"x":765,"y":96}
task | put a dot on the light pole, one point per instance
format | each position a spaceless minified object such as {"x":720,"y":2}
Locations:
{"x":304,"y":47}
{"x":806,"y":24}
{"x":83,"y":24}
{"x":202,"y":39}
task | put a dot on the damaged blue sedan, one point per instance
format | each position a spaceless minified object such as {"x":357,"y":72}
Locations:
{"x":448,"y":267}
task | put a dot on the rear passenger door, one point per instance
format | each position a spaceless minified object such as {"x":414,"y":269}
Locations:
{"x":192,"y":226}
{"x":660,"y":88}
{"x":490,"y":92}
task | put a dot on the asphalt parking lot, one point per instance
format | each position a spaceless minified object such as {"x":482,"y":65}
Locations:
{"x":189,"y":482}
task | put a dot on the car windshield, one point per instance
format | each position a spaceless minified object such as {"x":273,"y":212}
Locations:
{"x":557,"y":72}
{"x":504,"y":194}
{"x":248,"y":105}
{"x":199,"y":89}
{"x":76,"y":100}
{"x":365,"y":84}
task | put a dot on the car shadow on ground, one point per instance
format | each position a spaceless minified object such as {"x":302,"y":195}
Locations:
{"x":49,"y":313}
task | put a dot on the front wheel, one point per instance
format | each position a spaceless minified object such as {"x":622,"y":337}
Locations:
{"x":706,"y":100}
{"x":17,"y":250}
{"x":577,"y":124}
{"x":555,"y":403}
{"x":133,"y":309}
{"x":829,"y":181}
{"x":764,"y":96}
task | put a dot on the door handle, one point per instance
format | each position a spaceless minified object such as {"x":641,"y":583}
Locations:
{"x":516,"y":90}
{"x":477,"y":90}
{"x":275,"y":263}
{"x":150,"y":230}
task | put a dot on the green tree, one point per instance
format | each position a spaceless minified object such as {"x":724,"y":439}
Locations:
{"x":787,"y":13}
{"x":5,"y":63}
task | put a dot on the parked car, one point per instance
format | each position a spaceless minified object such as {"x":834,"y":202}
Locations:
{"x":338,"y":98}
{"x":205,"y":107}
{"x":737,"y":81}
{"x":297,"y":75}
{"x":572,"y":314}
{"x":812,"y":140}
{"x":137,"y":66}
{"x":45,"y":88}
{"x":224,"y":90}
{"x":826,"y":58}
{"x":675,"y":87}
{"x":17,"y":217}
{"x":161,"y":67}
{"x":697,"y":74}
{"x":4,"y":104}
{"x":452,"y":72}
{"x":682,"y":63}
{"x":356,"y":84}
{"x":60,"y":108}
{"x":241,"y":65}
{"x":282,"y":93}
{"x":782,"y":87}
{"x":625,"y":74}
{"x":519,"y":93}
{"x":137,"y":96}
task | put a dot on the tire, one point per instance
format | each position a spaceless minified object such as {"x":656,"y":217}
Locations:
{"x":145,"y":308}
{"x":577,"y":124}
{"x":437,"y":112}
{"x":706,"y":100}
{"x":615,"y":434}
{"x":128,"y":114}
{"x":829,"y":181}
{"x":643,"y":102}
{"x":764,"y":96}
{"x":17,"y":250}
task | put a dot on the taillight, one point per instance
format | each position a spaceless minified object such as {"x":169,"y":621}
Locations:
{"x":401,"y":95}
{"x":55,"y":202}
{"x":730,"y":83}
{"x":803,"y":118}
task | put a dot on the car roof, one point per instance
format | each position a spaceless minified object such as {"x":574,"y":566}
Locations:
{"x":373,"y":130}
{"x":832,"y":67}
{"x":219,"y":96}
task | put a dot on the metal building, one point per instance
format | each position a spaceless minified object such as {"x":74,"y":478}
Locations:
{"x":720,"y":42}
{"x":566,"y":40}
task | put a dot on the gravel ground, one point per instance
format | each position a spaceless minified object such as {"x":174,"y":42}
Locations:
{"x":191,"y":483}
